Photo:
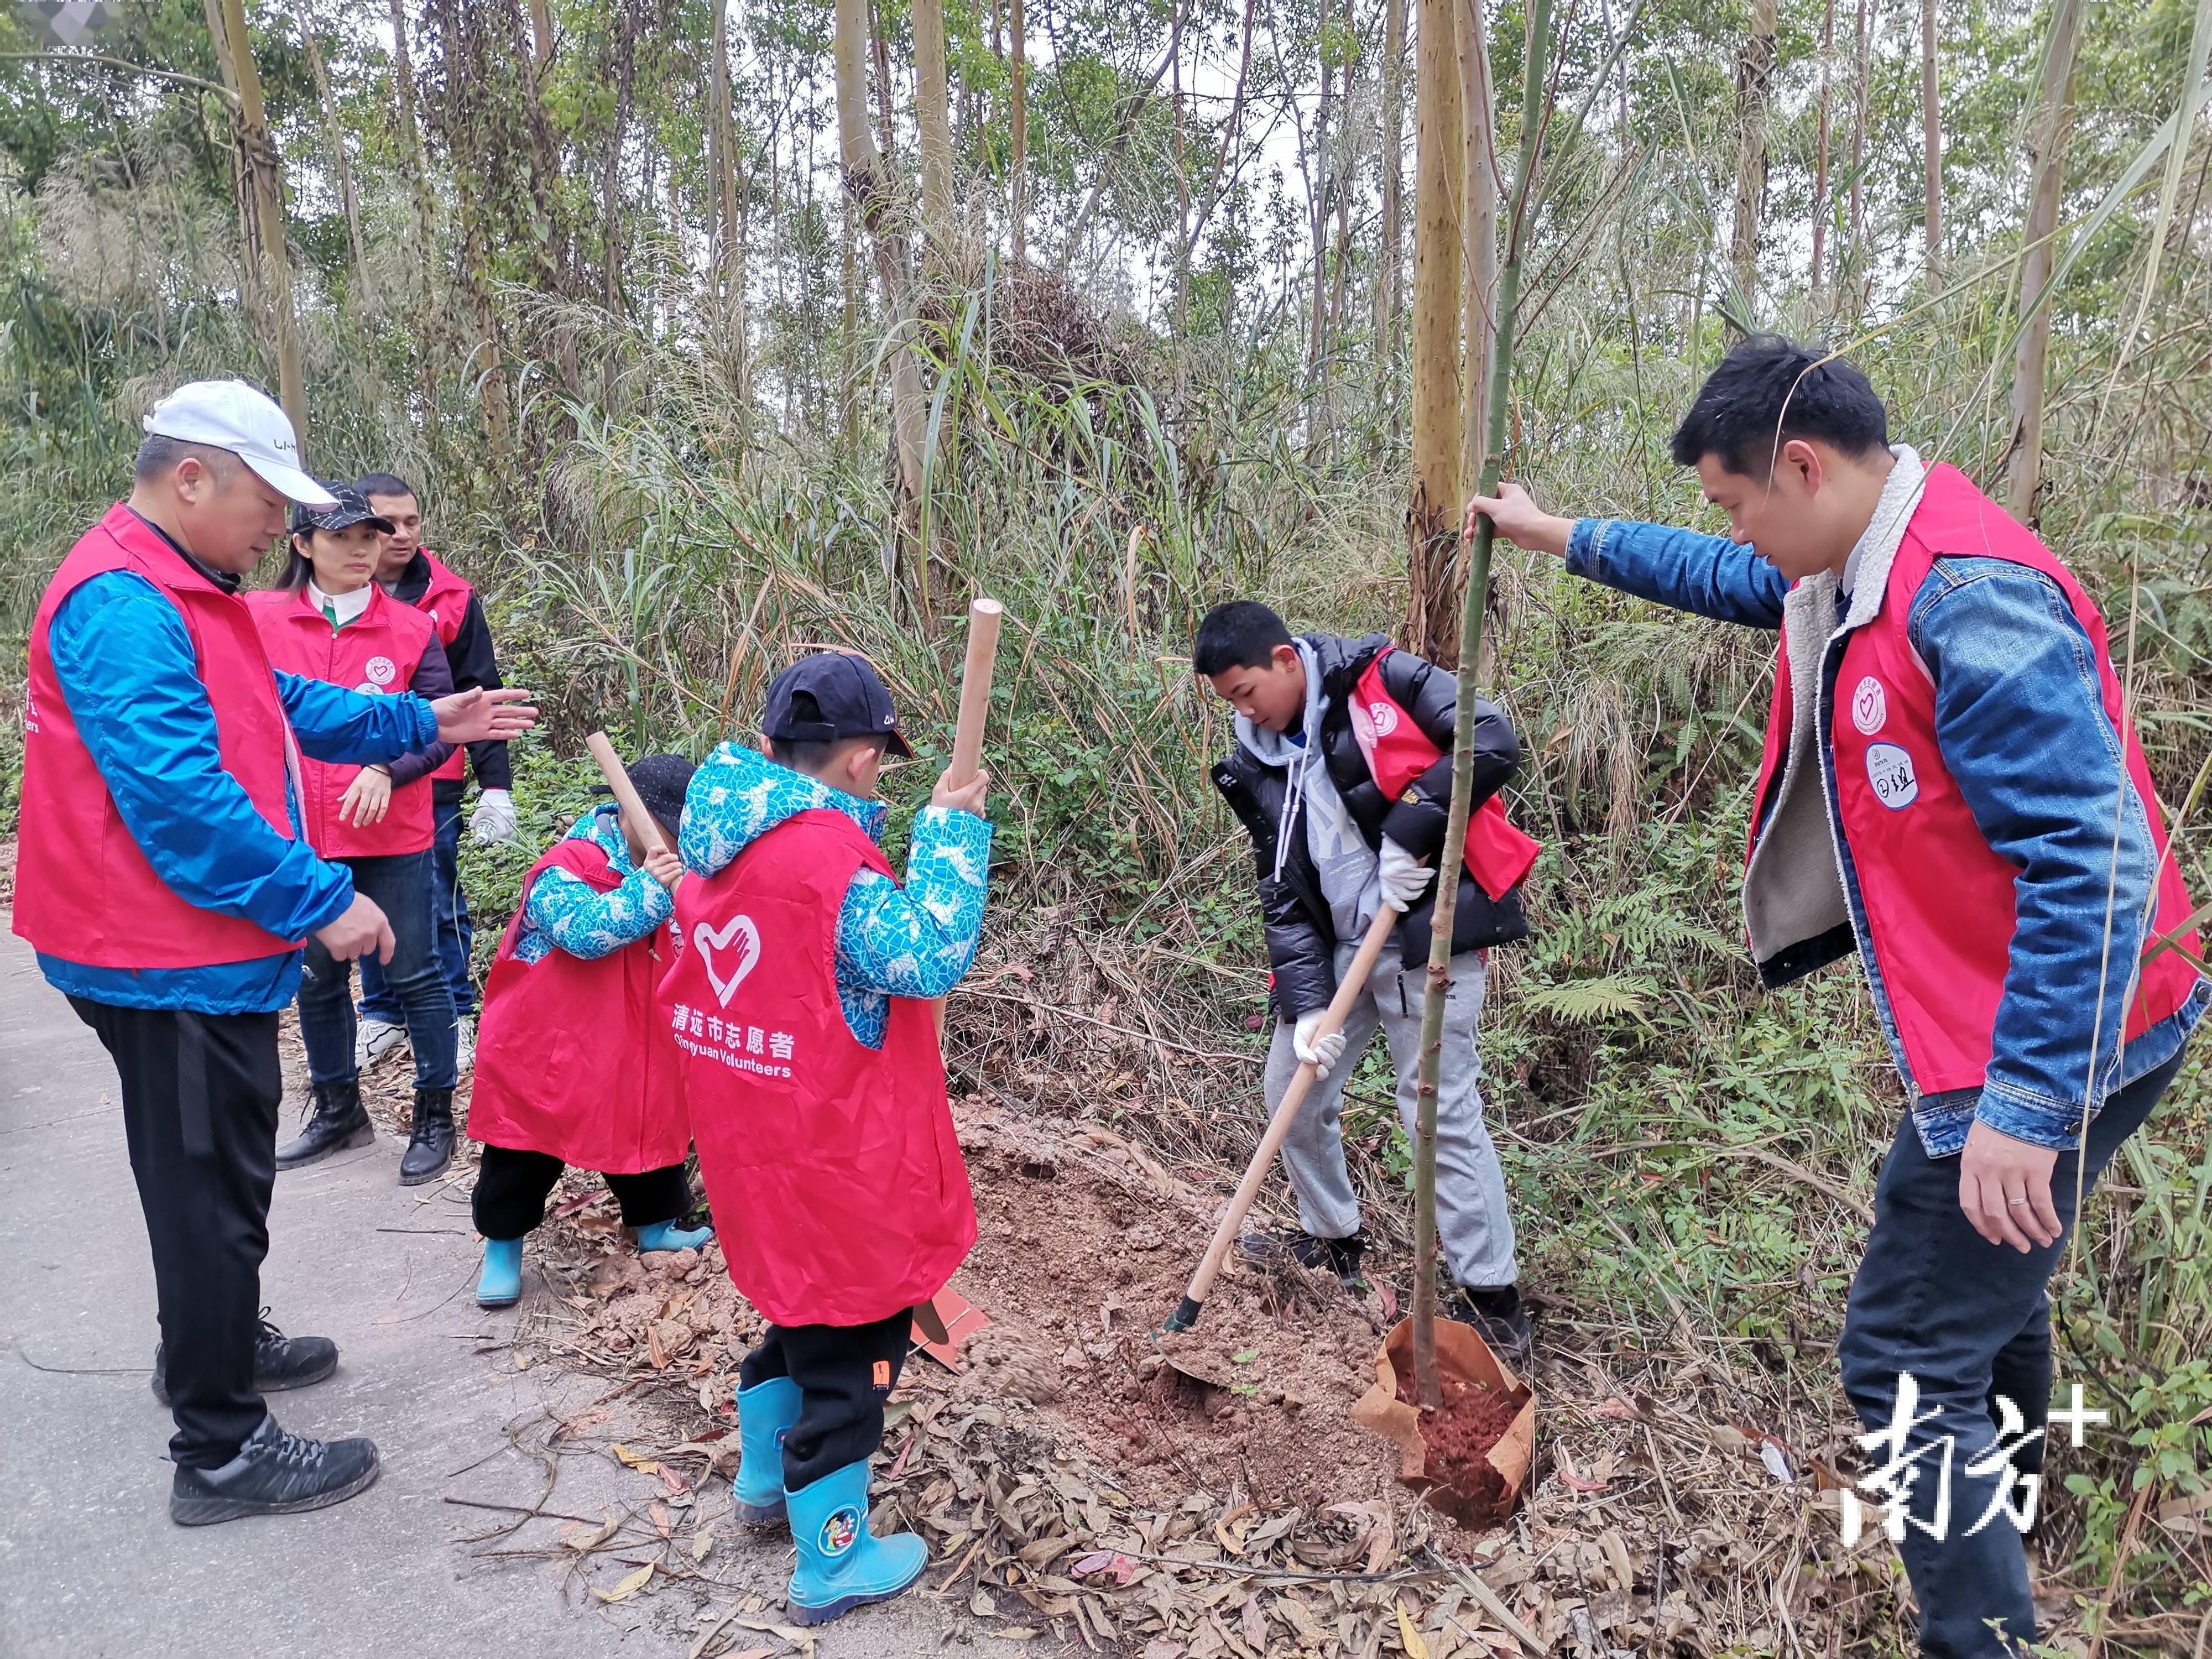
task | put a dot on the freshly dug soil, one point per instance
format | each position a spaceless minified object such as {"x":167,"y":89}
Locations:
{"x":1458,"y":1436}
{"x":1085,"y":1246}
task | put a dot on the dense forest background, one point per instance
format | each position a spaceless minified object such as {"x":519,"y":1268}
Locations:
{"x":714,"y":329}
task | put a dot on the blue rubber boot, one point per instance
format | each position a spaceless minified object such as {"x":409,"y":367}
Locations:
{"x":841,"y":1565}
{"x":501,"y":1285}
{"x":765,"y":1413}
{"x":667,"y":1235}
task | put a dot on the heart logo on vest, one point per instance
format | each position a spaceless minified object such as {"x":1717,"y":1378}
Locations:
{"x":381,"y":669}
{"x":1870,"y":706}
{"x":707,"y":940}
{"x":1383,"y":717}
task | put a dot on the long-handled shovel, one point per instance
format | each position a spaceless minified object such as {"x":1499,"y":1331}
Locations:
{"x":1348,"y":993}
{"x":940,"y":1319}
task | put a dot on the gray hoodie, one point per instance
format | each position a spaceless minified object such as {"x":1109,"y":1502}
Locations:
{"x":1350,"y":872}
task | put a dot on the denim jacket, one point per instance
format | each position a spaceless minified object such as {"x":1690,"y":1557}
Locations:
{"x":2006,"y":654}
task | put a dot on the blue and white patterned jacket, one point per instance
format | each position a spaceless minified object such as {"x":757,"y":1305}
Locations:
{"x":567,"y":912}
{"x":915,"y":941}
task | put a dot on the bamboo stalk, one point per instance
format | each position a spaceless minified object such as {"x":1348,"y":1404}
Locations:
{"x":1428,"y":1386}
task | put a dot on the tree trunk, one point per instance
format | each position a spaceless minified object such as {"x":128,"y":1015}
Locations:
{"x":1850,"y":263}
{"x":425,"y":322}
{"x":1390,"y":278}
{"x":1931,"y":142}
{"x":1437,"y":295}
{"x":1017,"y":205}
{"x":869,"y":186}
{"x":2047,"y":165}
{"x":1754,"y":82}
{"x":250,"y":292}
{"x":1428,"y":1384}
{"x":264,"y":172}
{"x":541,"y":32}
{"x":362,"y":295}
{"x":934,"y":117}
{"x":1480,"y":169}
{"x":1317,"y":206}
{"x":729,"y":262}
{"x":1820,"y":215}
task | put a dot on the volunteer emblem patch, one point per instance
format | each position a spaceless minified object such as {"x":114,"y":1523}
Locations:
{"x":839,"y":1531}
{"x":737,"y":931}
{"x":1870,"y":706}
{"x":1383,"y":717}
{"x":381,"y":669}
{"x":1889,"y":769}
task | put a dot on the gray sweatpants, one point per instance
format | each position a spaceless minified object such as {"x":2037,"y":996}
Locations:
{"x":1473,"y":1228}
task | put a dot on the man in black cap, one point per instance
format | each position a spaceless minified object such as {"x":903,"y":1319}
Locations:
{"x":816,"y":1094}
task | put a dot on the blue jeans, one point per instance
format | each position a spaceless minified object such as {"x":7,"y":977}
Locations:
{"x":1969,"y":1321}
{"x":449,"y":917}
{"x":400,"y":887}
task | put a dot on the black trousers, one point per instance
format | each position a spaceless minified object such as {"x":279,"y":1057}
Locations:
{"x":200,"y":1098}
{"x":844,"y":1373}
{"x":511,"y":1188}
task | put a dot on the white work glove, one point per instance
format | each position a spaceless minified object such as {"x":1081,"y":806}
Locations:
{"x":1403,"y":880}
{"x":494,"y":819}
{"x":1320,"y":1054}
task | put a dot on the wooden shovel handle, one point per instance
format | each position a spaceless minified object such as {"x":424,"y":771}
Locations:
{"x":983,"y":618}
{"x":643,"y":823}
{"x":1286,"y":1113}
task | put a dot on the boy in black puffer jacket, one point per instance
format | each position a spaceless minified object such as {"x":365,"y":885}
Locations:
{"x":1332,"y":848}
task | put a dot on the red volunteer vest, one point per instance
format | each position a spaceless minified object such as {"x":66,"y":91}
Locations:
{"x":1498,"y":856}
{"x":376,"y":654}
{"x":573,"y":1058}
{"x":839,"y":1193}
{"x":84,"y":891}
{"x":1940,"y":901}
{"x":445,"y":603}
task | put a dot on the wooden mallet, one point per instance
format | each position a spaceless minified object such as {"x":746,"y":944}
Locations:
{"x":1286,"y":1113}
{"x":645,"y":827}
{"x":983,"y":618}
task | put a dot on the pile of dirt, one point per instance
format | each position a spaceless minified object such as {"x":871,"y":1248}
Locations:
{"x":1084,"y":1246}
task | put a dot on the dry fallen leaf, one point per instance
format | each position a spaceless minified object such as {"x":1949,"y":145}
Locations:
{"x":629,"y":1586}
{"x":1618,"y":1408}
{"x":576,"y":1539}
{"x":981,"y":1604}
{"x":630,"y":1459}
{"x":1408,"y":1637}
{"x":702,"y":1541}
{"x":1616,"y":1556}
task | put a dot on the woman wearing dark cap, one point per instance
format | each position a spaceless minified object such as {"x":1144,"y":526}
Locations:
{"x":328,"y":620}
{"x":573,"y":1066}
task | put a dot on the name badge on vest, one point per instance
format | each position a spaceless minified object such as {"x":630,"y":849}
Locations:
{"x":1889,"y":769}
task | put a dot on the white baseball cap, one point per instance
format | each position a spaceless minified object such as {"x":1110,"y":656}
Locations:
{"x":231,"y":415}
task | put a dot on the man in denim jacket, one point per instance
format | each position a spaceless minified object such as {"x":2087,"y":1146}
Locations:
{"x":1952,"y":789}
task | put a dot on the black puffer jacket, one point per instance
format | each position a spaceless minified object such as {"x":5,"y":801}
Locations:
{"x":1301,"y":938}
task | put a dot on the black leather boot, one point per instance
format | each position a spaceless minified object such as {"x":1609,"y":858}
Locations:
{"x":430,"y":1148}
{"x":279,"y":1361}
{"x":338,"y":1123}
{"x":274,"y":1474}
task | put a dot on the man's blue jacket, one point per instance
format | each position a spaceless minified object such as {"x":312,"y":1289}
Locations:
{"x":128,"y":673}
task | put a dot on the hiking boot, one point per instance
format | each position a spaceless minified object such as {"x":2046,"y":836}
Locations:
{"x":464,"y":1045}
{"x":1338,"y":1256}
{"x":375,"y":1038}
{"x":670,"y":1236}
{"x":430,"y":1147}
{"x":280,"y":1362}
{"x":274,"y":1474}
{"x":1499,"y":1314}
{"x":841,"y":1565}
{"x":338,"y":1123}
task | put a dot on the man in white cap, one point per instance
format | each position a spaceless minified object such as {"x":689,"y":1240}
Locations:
{"x":163,"y":880}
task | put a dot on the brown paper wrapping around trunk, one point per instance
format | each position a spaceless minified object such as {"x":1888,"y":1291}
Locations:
{"x":1461,"y":1352}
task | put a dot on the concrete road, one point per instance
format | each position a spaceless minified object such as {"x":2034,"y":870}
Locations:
{"x":90,"y":1563}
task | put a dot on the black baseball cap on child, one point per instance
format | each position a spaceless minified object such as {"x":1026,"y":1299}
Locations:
{"x":831,"y":694}
{"x":348,"y":508}
{"x":660,"y":781}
